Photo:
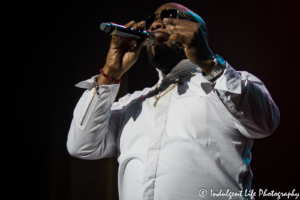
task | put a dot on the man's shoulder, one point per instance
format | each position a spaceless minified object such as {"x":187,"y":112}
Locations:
{"x":135,"y":95}
{"x":242,"y":74}
{"x":250,"y":77}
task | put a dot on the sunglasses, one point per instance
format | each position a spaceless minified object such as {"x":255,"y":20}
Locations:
{"x":167,"y":13}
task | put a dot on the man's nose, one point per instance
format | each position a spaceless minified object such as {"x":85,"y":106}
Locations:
{"x":156,"y":25}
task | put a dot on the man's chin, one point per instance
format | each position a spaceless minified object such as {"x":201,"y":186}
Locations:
{"x":160,"y":49}
{"x":165,"y":57}
{"x":156,"y":48}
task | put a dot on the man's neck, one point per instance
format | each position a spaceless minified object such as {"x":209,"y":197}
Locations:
{"x":184,"y":68}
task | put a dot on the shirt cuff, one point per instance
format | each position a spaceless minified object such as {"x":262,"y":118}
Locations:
{"x":88,"y":84}
{"x":230,"y":81}
{"x":91,"y":83}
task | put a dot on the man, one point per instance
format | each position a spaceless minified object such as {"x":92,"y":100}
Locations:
{"x":190,"y":134}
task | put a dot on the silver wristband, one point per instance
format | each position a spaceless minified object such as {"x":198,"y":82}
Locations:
{"x":220,"y":65}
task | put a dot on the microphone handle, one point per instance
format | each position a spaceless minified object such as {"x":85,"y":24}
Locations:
{"x":123,"y":31}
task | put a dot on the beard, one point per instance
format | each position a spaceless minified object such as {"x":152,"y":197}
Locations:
{"x":166,"y":57}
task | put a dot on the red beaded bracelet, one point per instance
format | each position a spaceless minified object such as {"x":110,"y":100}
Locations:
{"x":109,"y":78}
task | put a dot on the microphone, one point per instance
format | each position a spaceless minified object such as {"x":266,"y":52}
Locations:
{"x":123,"y":31}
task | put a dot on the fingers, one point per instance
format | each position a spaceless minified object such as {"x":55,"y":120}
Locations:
{"x":173,"y":22}
{"x":120,"y":42}
{"x":186,"y":34}
{"x":182,"y":36}
{"x":136,"y":26}
{"x":139,"y":26}
{"x":130,"y":24}
{"x":126,"y":44}
{"x":185,"y":28}
{"x":176,"y":38}
{"x":127,"y":41}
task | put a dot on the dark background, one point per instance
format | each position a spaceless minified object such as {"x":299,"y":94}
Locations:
{"x":50,"y":46}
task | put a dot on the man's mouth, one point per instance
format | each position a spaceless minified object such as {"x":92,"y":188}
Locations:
{"x":161,"y":37}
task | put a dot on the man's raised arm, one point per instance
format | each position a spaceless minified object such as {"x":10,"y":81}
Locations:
{"x":96,"y":118}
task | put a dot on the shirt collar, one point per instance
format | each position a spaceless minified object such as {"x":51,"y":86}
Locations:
{"x":230,"y":80}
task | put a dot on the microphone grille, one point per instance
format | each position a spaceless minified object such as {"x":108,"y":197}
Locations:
{"x":106,"y":27}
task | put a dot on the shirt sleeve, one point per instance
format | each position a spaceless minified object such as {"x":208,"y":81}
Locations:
{"x":95,"y":122}
{"x":254,"y":112}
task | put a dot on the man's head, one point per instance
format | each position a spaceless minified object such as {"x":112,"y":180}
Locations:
{"x":164,"y":55}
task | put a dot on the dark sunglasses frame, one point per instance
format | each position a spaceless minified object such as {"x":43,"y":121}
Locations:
{"x":166,"y":12}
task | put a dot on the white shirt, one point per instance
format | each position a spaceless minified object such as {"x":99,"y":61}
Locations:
{"x":197,"y":137}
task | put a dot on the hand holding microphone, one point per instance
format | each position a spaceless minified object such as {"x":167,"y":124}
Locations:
{"x":125,"y":48}
{"x":123,"y":31}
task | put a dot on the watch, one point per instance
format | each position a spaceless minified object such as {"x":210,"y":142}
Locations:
{"x":220,"y":65}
